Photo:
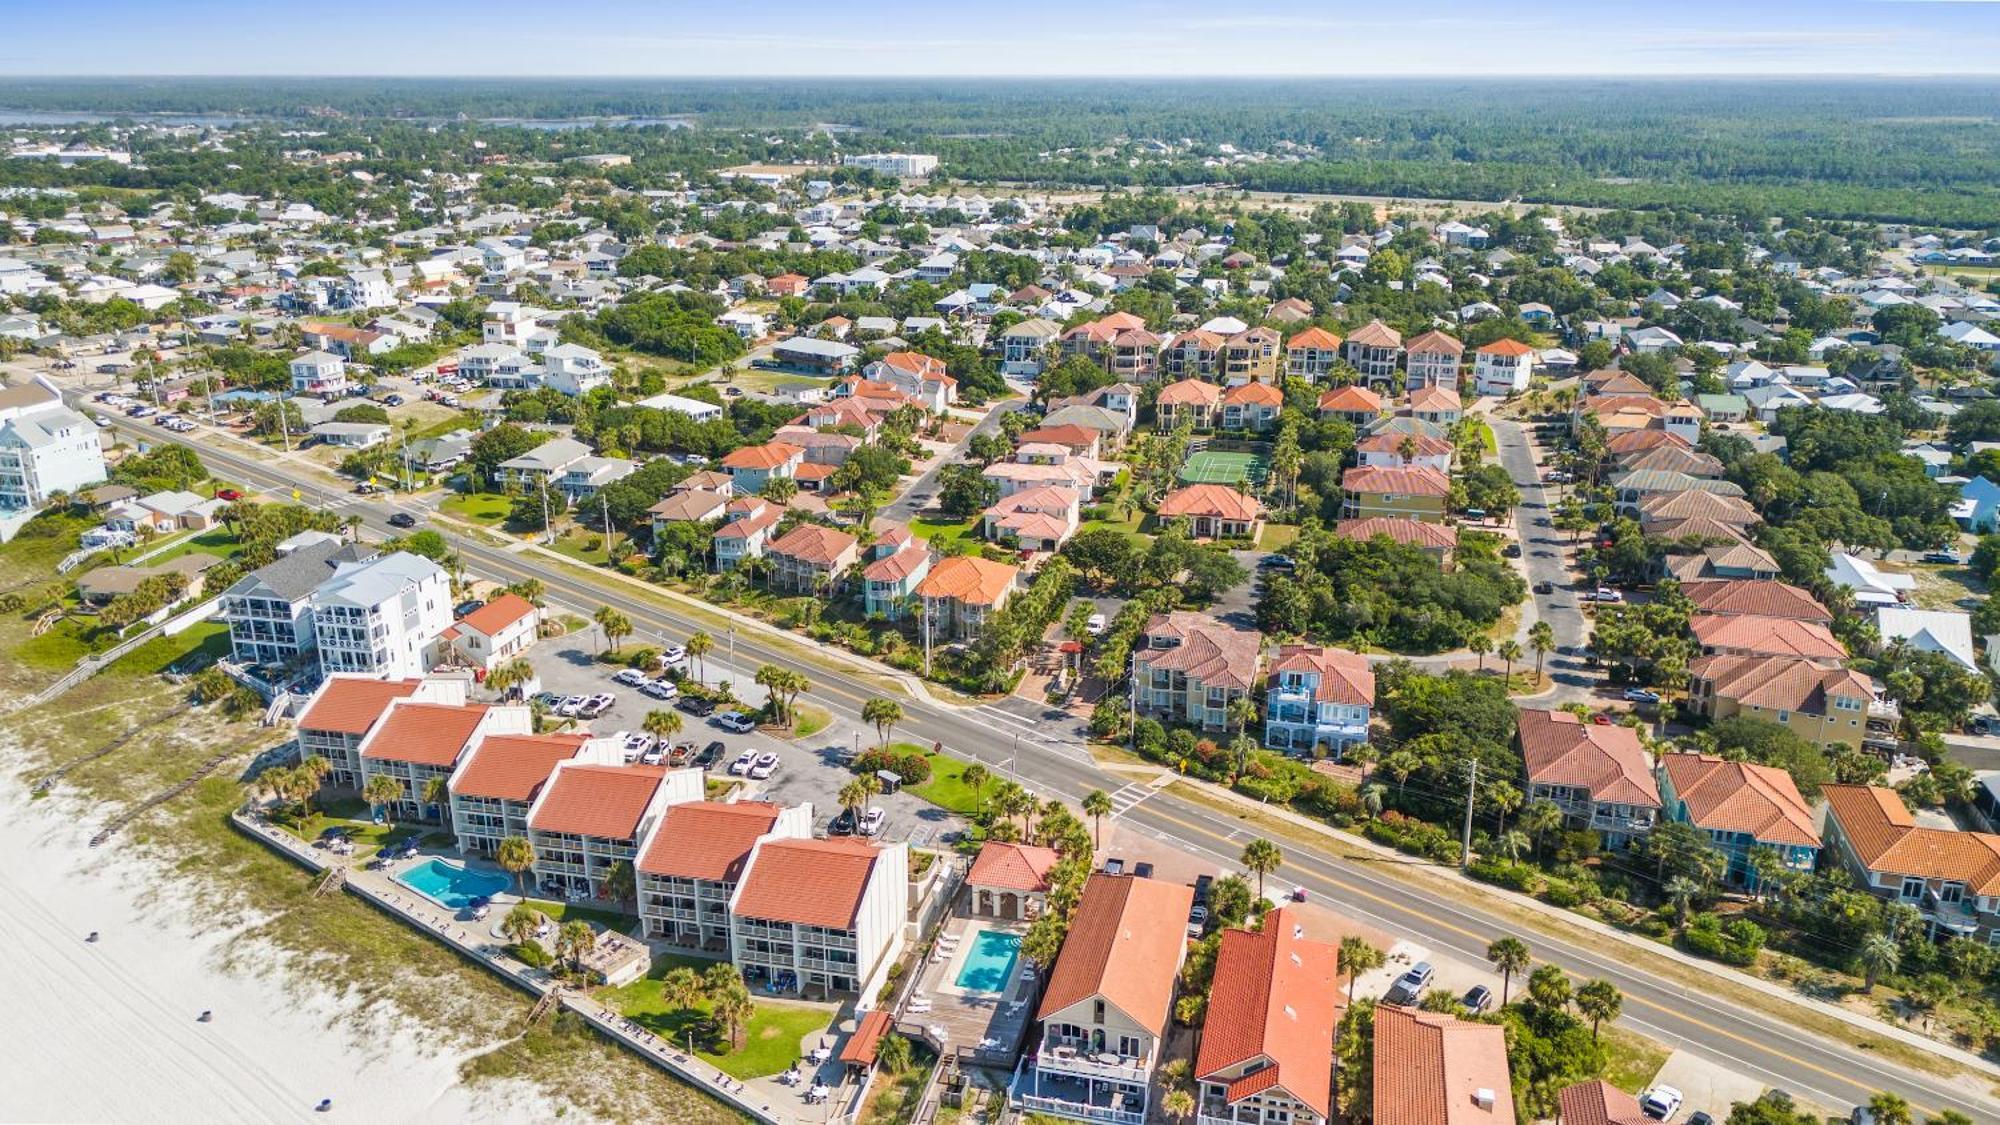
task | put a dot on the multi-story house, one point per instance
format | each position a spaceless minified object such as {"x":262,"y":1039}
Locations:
{"x":745,"y":531}
{"x":382,"y":616}
{"x":344,"y":709}
{"x":821,"y":916}
{"x":1376,"y":351}
{"x":1251,"y":356}
{"x":1414,"y":493}
{"x":1193,"y":401}
{"x":1742,"y":806}
{"x":1436,"y":540}
{"x":417,"y":740}
{"x":896,"y":562}
{"x":1267,"y":1040}
{"x":917,"y":375}
{"x":1432,"y":360}
{"x":1825,"y":706}
{"x":45,"y":447}
{"x":1356,"y":405}
{"x":1134,"y":356}
{"x":572,"y":369}
{"x":752,"y":467}
{"x":1751,"y":635}
{"x":542,"y":466}
{"x":589,"y":818}
{"x":1437,"y":404}
{"x":961,"y":593}
{"x":690,"y":864}
{"x":1318,"y":700}
{"x":1311,"y":354}
{"x":1432,"y":1068}
{"x":1502,"y":367}
{"x":508,"y":322}
{"x":809,"y":558}
{"x":1251,"y":406}
{"x":1598,"y":775}
{"x":269,"y":610}
{"x":1196,"y":354}
{"x":318,"y":373}
{"x":1189,"y":667}
{"x":1104,"y":1013}
{"x":1025,"y":348}
{"x":1951,"y":877}
{"x":493,"y":634}
{"x":496,"y":781}
{"x":1389,"y":449}
{"x":1034,"y":519}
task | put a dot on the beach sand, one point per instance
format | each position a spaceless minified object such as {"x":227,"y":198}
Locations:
{"x":108,"y":1031}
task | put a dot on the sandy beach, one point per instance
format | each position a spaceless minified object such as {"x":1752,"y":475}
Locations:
{"x":109,"y":1031}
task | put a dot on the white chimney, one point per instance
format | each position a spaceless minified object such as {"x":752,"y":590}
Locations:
{"x":1483,"y":1097}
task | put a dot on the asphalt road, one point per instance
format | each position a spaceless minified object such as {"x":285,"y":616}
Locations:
{"x":1044,"y":754}
{"x":1542,"y":552}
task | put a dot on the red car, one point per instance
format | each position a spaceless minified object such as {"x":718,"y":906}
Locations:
{"x":228,"y":494}
{"x":1601,"y":719}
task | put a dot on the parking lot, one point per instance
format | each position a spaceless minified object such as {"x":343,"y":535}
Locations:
{"x":809,"y":770}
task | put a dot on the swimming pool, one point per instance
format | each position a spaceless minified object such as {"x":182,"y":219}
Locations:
{"x":990,"y":962}
{"x":450,"y":885}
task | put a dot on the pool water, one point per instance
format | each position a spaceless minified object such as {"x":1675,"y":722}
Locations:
{"x":450,"y":885}
{"x":990,"y":961}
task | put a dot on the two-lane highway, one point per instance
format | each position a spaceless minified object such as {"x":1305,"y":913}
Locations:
{"x":1720,"y":1028}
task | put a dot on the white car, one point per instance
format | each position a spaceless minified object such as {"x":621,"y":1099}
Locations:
{"x":597,"y":705}
{"x":1095,"y":625}
{"x":660,"y":689}
{"x":1607,"y":594}
{"x":630,"y":677}
{"x":743,"y":762}
{"x":1660,"y":1103}
{"x":736,"y":722}
{"x":673,"y":654}
{"x":871,"y":822}
{"x":635,"y":743}
{"x":765,"y":765}
{"x":570,"y":706}
{"x":651,"y":757}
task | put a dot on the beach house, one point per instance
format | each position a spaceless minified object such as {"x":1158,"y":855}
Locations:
{"x":691,"y":862}
{"x":590,"y":816}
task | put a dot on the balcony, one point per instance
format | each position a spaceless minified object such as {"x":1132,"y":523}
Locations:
{"x":1067,"y":1057}
{"x":1626,"y":825}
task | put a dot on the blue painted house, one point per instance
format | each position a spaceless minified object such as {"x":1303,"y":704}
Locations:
{"x":1741,"y":806}
{"x":1317,"y":701}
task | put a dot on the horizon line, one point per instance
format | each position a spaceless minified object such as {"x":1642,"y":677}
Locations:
{"x":909,"y":79}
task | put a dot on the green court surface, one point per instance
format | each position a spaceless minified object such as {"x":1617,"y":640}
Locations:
{"x":1211,"y":466}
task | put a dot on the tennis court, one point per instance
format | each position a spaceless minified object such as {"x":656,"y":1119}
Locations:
{"x":1212,"y":466}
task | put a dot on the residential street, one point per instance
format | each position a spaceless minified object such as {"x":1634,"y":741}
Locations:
{"x":1541,"y":548}
{"x":1718,"y":1028}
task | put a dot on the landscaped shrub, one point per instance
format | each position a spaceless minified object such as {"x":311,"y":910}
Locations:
{"x":531,"y":954}
{"x":1736,"y":943}
{"x":1512,"y":874}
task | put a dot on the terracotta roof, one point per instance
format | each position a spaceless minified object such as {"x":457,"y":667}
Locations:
{"x":1508,"y":348}
{"x":1621,"y":444}
{"x":1770,"y":636}
{"x":1126,"y":940}
{"x":749,"y":525}
{"x":1598,"y":1102}
{"x":1217,"y":654}
{"x":1254,"y":393}
{"x":1019,"y":867}
{"x":1434,"y":343}
{"x":601,"y":801}
{"x":1409,"y":480}
{"x":898,"y":564}
{"x":1779,"y":683}
{"x":1741,"y":797}
{"x":919,"y":366}
{"x":1390,"y":441}
{"x":1189,"y":392}
{"x":1217,"y":500}
{"x":1276,"y":997}
{"x":690,"y":505}
{"x":707,"y":839}
{"x":1350,"y":400}
{"x":498,"y":614}
{"x":808,"y":882}
{"x":811,"y":543}
{"x":1122,"y":321}
{"x":1886,"y":838}
{"x":968,"y":579}
{"x":1073,"y":436}
{"x":429,"y":734}
{"x":1435,"y":397}
{"x":1415,"y":532}
{"x":1344,"y":677}
{"x":865,"y":1044}
{"x":1561,"y":749}
{"x":1376,"y":334}
{"x":1314,"y":337}
{"x":1431,"y":1067}
{"x":1755,"y":596}
{"x":767,"y":456}
{"x":351,"y":706}
{"x":512,"y":767}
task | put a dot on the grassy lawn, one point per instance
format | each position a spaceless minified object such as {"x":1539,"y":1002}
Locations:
{"x":1487,"y":439}
{"x":575,"y":546}
{"x":487,"y":508}
{"x":462,"y":420}
{"x":571,"y":912}
{"x":1131,"y":527}
{"x":40,"y":546}
{"x":215,"y":541}
{"x":810,"y":720}
{"x":769,"y":382}
{"x":947,"y":788}
{"x":1634,"y":1060}
{"x":1277,"y":536}
{"x":770,"y":1043}
{"x":206,"y":643}
{"x":940,"y":532}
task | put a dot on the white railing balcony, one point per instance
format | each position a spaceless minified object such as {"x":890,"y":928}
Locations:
{"x":1064,"y":1108}
{"x":1065,"y":1058}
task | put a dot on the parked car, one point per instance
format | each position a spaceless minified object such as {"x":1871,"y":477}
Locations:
{"x":1545,"y":587}
{"x":571,"y":706}
{"x":1641,"y":695}
{"x":736,"y":722}
{"x":1478,"y":998}
{"x":743,"y":762}
{"x":636,"y":743}
{"x":597,"y":705}
{"x":468,"y":607}
{"x":101,"y":420}
{"x":651,"y":757}
{"x":660,"y":689}
{"x":630,"y":677}
{"x":1197,"y":921}
{"x":403,"y":519}
{"x":1511,"y":550}
{"x":1409,"y":988}
{"x":842,"y":823}
{"x":1660,"y":1103}
{"x":710,"y":754}
{"x":1701,"y":1117}
{"x":1094,"y":625}
{"x":1948,"y":557}
{"x":871,"y":821}
{"x":765,"y":765}
{"x":695,"y":705}
{"x":393,"y":400}
{"x":1607,"y":594}
{"x":1277,"y":562}
{"x":673,"y":654}
{"x":228,"y":494}
{"x":1202,"y":883}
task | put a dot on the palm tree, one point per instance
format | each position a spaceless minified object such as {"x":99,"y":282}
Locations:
{"x":1540,"y":818}
{"x":1541,"y":638}
{"x":573,"y":941}
{"x":616,"y":625}
{"x":1681,"y":891}
{"x":885,"y":714}
{"x":315,"y":769}
{"x":1177,"y":1104}
{"x":521,"y":922}
{"x":1880,"y":955}
{"x":1509,"y":955}
{"x":437,"y":795}
{"x":975,"y":778}
{"x":1889,"y":1109}
{"x":1512,"y":844}
{"x":681,"y":988}
{"x":1371,"y":796}
{"x":381,"y":790}
{"x":1354,"y":957}
{"x":894,"y":1054}
{"x":729,"y":1000}
{"x":1262,"y":857}
{"x":510,"y":675}
{"x":854,"y":795}
{"x":1097,"y":806}
{"x":621,"y":882}
{"x":1510,"y":651}
{"x":1549,"y":988}
{"x":1480,"y":644}
{"x":699,"y":645}
{"x":1766,"y":867}
{"x":1599,"y":1000}
{"x":515,"y":855}
{"x":662,"y":725}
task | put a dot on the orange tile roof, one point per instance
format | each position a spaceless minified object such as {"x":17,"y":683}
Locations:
{"x":1217,"y":500}
{"x":427,"y":734}
{"x":512,"y":767}
{"x":1314,"y":338}
{"x":1429,"y":1068}
{"x":1217,"y":654}
{"x":1376,"y":334}
{"x":1512,"y":349}
{"x":1741,"y":797}
{"x":1608,"y":761}
{"x":1598,"y":1102}
{"x":707,"y":839}
{"x":808,"y":882}
{"x":811,"y":543}
{"x":1019,"y":867}
{"x":1074,"y":436}
{"x":898,"y":564}
{"x":1350,"y":400}
{"x":498,"y":614}
{"x":1189,"y":392}
{"x":1662,"y":507}
{"x":1755,"y":596}
{"x":1126,"y":940}
{"x":1409,"y":480}
{"x":1435,"y":398}
{"x":1436,"y":343}
{"x":1253,"y":394}
{"x":918,"y":366}
{"x":351,"y":706}
{"x":767,"y":456}
{"x":1430,"y":536}
{"x":1886,"y":838}
{"x":1770,"y":636}
{"x":601,"y":801}
{"x":1779,"y":683}
{"x":1393,"y":441}
{"x":1276,"y":997}
{"x":865,"y":1044}
{"x":968,"y":579}
{"x":1344,"y":677}
{"x":1620,"y":444}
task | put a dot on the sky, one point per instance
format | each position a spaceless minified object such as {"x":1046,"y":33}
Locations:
{"x":923,"y":38}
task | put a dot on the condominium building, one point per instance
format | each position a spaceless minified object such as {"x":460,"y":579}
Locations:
{"x":417,"y":740}
{"x":45,"y":447}
{"x":1189,"y":667}
{"x":496,"y":782}
{"x":821,"y":916}
{"x":905,"y":165}
{"x":345,"y":709}
{"x":269,"y":610}
{"x":691,"y":863}
{"x":590,"y":817}
{"x":382,"y":616}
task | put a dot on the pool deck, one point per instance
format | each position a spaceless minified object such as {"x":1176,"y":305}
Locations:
{"x":990,"y":1025}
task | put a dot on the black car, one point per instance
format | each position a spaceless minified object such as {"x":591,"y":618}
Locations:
{"x":842,"y":824}
{"x":695,"y":705}
{"x":467,"y":609}
{"x":1201,"y":885}
{"x":1545,"y":587}
{"x":402,"y":519}
{"x":710,"y":754}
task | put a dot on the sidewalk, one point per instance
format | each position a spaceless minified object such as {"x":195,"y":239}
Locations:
{"x":1590,"y":926}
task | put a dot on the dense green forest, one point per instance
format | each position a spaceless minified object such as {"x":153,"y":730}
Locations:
{"x":1926,"y":152}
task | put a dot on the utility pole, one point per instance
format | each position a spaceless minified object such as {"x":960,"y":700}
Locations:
{"x":284,"y":424}
{"x":1471,"y":788}
{"x":604,"y":505}
{"x":1132,"y":704}
{"x":924,"y":607}
{"x":548,"y":529}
